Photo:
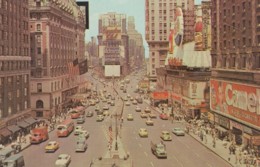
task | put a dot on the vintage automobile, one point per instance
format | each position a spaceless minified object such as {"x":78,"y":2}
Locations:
{"x":164,"y":116}
{"x":144,"y":115}
{"x":63,"y":160}
{"x":137,"y":109}
{"x":130,"y":117}
{"x":178,"y":131}
{"x":147,"y":110}
{"x":52,"y":146}
{"x":81,"y":119}
{"x":166,"y":136}
{"x":149,"y":122}
{"x":143,"y":132}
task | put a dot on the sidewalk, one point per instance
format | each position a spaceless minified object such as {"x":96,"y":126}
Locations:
{"x":220,"y":149}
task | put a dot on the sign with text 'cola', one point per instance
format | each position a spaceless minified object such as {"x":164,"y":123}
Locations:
{"x":235,"y":99}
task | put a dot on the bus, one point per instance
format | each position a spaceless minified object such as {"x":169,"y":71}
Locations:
{"x":65,"y":128}
{"x":76,"y":112}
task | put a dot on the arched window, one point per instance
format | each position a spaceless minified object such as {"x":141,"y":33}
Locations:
{"x":39,"y":104}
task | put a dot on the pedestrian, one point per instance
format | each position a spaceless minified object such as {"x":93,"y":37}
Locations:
{"x":214,"y":142}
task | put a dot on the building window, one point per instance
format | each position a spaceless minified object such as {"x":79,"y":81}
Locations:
{"x":25,"y":91}
{"x":243,"y":62}
{"x":9,"y":111}
{"x":38,"y":27}
{"x":39,"y":62}
{"x":153,"y":53}
{"x":25,"y":104}
{"x":39,"y":50}
{"x":39,"y":87}
{"x":18,"y":93}
{"x":10,"y":95}
{"x":39,"y":104}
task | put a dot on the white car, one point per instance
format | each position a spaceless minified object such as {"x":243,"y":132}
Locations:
{"x":78,"y":129}
{"x":127,"y":103}
{"x":147,"y":110}
{"x":137,"y":109}
{"x":134,"y":102}
{"x":100,"y":118}
{"x":105,"y":107}
{"x":149,"y":122}
{"x":130,"y":117}
{"x":63,"y":160}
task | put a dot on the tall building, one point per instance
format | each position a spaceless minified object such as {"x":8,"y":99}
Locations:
{"x":136,"y":48}
{"x":57,"y":39}
{"x":113,"y":44}
{"x":234,"y":86}
{"x":14,"y":64}
{"x":158,"y":16}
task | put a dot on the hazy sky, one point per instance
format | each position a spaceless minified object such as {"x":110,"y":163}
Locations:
{"x":134,"y":8}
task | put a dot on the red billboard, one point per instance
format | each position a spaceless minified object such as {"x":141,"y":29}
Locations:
{"x":160,"y":95}
{"x":238,"y":100}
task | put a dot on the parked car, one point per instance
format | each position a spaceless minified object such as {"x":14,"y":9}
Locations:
{"x":166,"y":136}
{"x":63,"y":160}
{"x":52,"y":146}
{"x":163,"y":116}
{"x":178,"y":131}
{"x":143,"y":132}
{"x":130,"y":117}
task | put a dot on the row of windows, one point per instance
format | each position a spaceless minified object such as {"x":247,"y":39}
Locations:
{"x":11,"y":110}
{"x":17,"y":79}
{"x":14,"y":65}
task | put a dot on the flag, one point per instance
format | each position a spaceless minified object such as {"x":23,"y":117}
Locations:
{"x":75,"y":62}
{"x":83,"y":67}
{"x":73,"y":69}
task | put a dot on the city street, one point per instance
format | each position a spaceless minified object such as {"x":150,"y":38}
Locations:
{"x":182,"y":151}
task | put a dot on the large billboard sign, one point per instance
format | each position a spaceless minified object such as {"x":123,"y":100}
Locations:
{"x":112,"y":33}
{"x":237,"y":100}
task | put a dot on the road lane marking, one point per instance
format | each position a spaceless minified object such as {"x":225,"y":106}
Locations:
{"x":146,"y":154}
{"x":140,"y":145}
{"x":178,"y":161}
{"x":197,"y":154}
{"x":152,"y":164}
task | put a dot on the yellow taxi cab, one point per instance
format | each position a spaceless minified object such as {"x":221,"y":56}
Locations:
{"x":166,"y":136}
{"x":143,"y":132}
{"x":52,"y":146}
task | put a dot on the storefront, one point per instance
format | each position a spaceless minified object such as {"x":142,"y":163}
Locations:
{"x":223,"y":126}
{"x":159,"y":98}
{"x":5,"y":135}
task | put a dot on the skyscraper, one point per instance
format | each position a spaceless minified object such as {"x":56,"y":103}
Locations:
{"x":159,"y":14}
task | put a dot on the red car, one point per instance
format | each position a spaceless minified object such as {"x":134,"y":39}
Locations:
{"x":164,"y":116}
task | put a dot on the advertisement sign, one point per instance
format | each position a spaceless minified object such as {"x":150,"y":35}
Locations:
{"x":237,"y":100}
{"x":160,"y":95}
{"x":144,"y":84}
{"x":196,"y":90}
{"x":112,"y":33}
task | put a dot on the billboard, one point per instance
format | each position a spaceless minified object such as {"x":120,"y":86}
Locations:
{"x":237,"y":100}
{"x":112,"y":33}
{"x":112,"y":70}
{"x":160,"y":95}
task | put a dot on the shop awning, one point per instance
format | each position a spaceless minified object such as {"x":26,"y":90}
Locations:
{"x":13,"y":128}
{"x":30,"y":120}
{"x":159,"y":95}
{"x":23,"y":124}
{"x":5,"y":132}
{"x":221,"y":129}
